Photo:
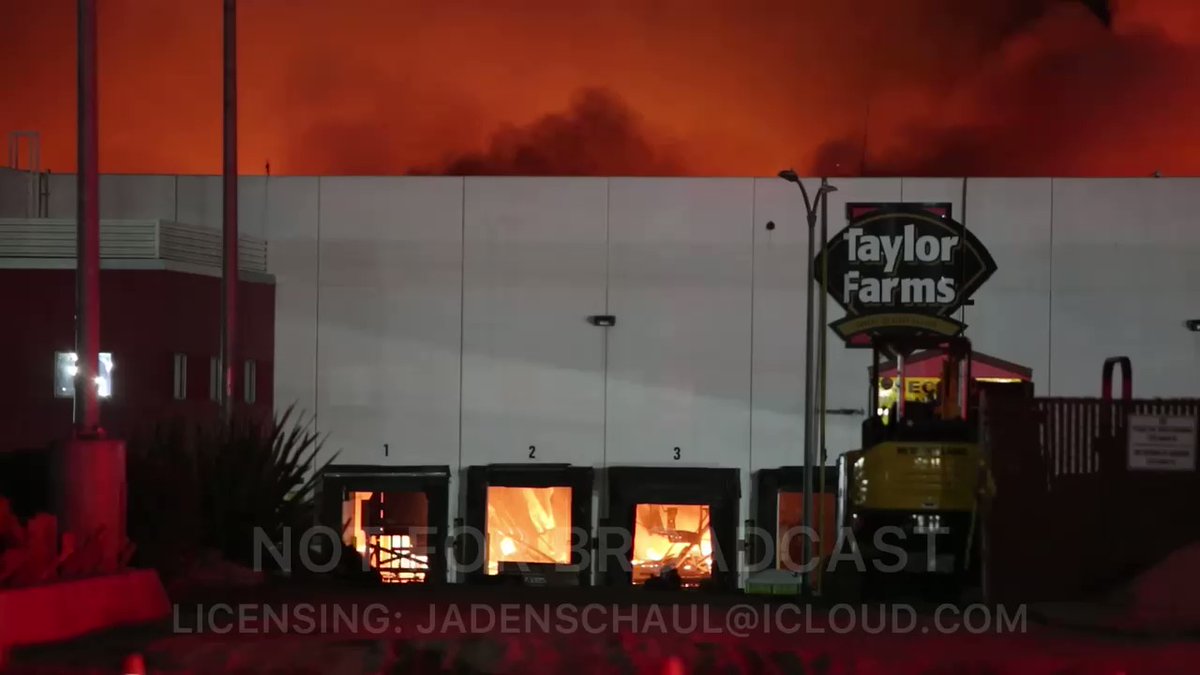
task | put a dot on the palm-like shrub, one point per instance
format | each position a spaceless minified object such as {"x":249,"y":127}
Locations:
{"x":196,"y":488}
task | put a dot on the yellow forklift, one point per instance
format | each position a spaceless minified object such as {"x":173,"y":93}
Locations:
{"x":917,"y":483}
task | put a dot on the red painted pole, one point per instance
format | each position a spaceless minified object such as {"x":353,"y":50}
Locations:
{"x":87,"y":254}
{"x":89,"y":470}
{"x":229,"y":275}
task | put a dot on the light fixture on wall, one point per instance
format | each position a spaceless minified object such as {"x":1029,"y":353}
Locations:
{"x":1193,"y":325}
{"x":66,"y":368}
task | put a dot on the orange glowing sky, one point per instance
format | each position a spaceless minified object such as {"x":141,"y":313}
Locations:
{"x":689,"y":87}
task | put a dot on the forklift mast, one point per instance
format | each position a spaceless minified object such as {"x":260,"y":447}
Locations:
{"x":953,"y":390}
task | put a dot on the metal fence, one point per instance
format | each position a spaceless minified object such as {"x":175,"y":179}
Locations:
{"x":1070,"y":519}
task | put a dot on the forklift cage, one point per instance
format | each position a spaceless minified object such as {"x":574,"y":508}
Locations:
{"x":900,"y":347}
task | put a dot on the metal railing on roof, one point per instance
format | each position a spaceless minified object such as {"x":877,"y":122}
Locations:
{"x":55,"y":238}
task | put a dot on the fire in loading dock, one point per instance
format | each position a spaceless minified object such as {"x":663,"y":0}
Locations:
{"x":528,"y":525}
{"x":672,"y":537}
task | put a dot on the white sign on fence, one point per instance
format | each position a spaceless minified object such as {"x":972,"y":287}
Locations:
{"x":1162,"y":443}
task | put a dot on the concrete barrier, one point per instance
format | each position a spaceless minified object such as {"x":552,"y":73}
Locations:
{"x":64,"y":610}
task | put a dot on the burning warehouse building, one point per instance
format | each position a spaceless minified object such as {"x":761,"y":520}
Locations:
{"x":515,"y":368}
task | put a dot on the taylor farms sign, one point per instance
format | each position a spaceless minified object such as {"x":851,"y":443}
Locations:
{"x":902,"y":268}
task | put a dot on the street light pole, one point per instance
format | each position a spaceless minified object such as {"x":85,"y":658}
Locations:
{"x":811,"y":207}
{"x":822,"y":334}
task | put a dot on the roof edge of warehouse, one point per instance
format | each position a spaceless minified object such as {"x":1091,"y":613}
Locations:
{"x":1150,"y":176}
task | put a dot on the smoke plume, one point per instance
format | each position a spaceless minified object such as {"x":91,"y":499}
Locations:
{"x":598,"y":135}
{"x":1060,"y":97}
{"x":680,"y":87}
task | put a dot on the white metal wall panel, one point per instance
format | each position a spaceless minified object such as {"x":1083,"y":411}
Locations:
{"x":200,"y":201}
{"x":292,"y":241}
{"x":122,"y":196}
{"x":680,"y":280}
{"x":389,"y":318}
{"x":1011,"y":315}
{"x":780,"y":278}
{"x":135,"y":197}
{"x":254,"y":195}
{"x":15,"y":193}
{"x":1126,"y":276}
{"x":780,"y":283}
{"x":533,"y":368}
{"x":61,"y":200}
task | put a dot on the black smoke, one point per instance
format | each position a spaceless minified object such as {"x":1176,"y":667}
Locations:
{"x":597,"y":135}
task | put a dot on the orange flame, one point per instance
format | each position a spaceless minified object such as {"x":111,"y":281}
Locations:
{"x":670,"y":536}
{"x":395,"y":556}
{"x":531,"y":525}
{"x":791,"y":536}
